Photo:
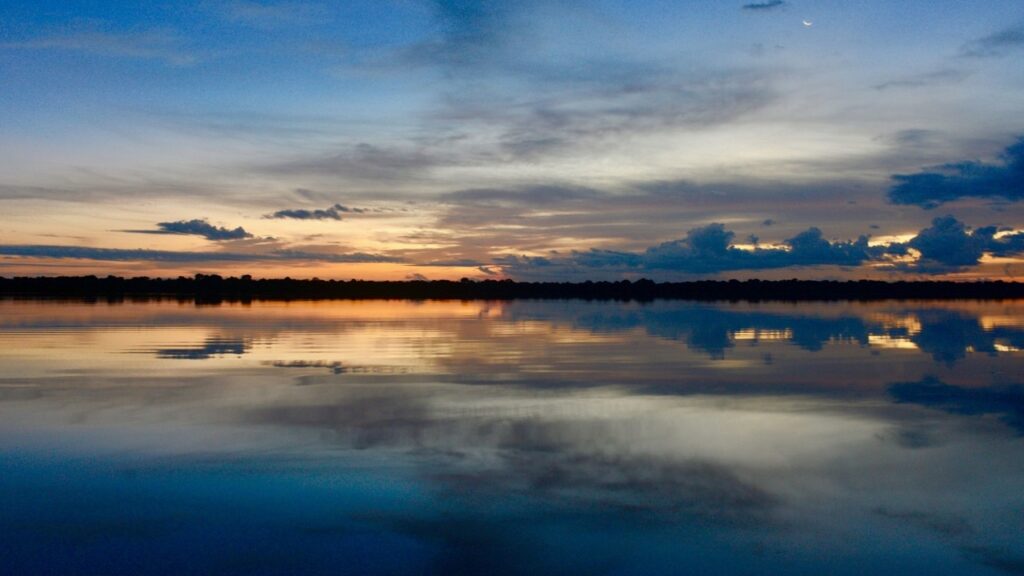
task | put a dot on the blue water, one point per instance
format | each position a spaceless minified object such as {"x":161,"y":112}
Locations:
{"x":511,"y":438}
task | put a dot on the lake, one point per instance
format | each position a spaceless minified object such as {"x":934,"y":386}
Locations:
{"x":519,"y":437}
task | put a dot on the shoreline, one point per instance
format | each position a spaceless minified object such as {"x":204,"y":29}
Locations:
{"x":213,"y":288}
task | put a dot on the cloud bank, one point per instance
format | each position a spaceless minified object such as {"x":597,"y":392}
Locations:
{"x":948,"y":245}
{"x":705,"y":250}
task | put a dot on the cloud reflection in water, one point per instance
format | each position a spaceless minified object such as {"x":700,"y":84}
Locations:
{"x":512,"y":437}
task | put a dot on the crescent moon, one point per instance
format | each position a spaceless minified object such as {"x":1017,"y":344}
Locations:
{"x":808,"y":23}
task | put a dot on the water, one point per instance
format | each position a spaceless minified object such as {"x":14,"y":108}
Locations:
{"x":511,"y":438}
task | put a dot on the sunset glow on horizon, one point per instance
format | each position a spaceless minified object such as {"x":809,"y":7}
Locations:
{"x":533,"y":140}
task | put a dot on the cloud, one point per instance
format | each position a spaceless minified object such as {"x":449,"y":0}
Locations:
{"x":203,"y":228}
{"x":944,"y":76}
{"x":470,"y":32}
{"x":331,"y":213}
{"x":161,"y":45}
{"x":488,"y":271}
{"x":709,"y":249}
{"x":361,"y":162}
{"x":133,"y":255}
{"x":704,"y":250}
{"x":955,"y":181}
{"x":763,"y":6}
{"x":528,"y":196}
{"x":997,"y":44}
{"x":596,"y":104}
{"x":948,"y":243}
{"x":1004,"y":245}
{"x":270,"y":15}
{"x":534,"y":219}
{"x":197,"y":227}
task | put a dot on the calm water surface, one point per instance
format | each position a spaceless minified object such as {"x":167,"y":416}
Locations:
{"x":511,"y":438}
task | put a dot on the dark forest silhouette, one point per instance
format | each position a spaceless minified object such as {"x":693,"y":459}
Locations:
{"x":213,"y":288}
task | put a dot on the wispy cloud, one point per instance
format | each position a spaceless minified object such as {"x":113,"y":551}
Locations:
{"x":997,"y":44}
{"x":532,"y":195}
{"x":594,"y":105}
{"x":761,"y":6}
{"x":270,"y":15}
{"x":470,"y":33}
{"x":361,"y":162}
{"x":132,"y":255}
{"x":160,"y":44}
{"x":944,"y":76}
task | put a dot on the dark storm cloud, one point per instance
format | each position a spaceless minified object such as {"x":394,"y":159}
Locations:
{"x":997,"y":44}
{"x":132,"y":255}
{"x":331,"y":213}
{"x":762,"y":6}
{"x":960,"y":180}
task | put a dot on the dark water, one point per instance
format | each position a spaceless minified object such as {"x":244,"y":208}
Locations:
{"x":512,"y":438}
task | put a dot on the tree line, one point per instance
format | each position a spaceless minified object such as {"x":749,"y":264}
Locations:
{"x":213,"y":288}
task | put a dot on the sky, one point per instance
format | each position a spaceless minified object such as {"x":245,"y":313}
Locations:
{"x":533,"y":140}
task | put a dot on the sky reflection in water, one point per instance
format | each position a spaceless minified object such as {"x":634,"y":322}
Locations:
{"x":520,"y":437}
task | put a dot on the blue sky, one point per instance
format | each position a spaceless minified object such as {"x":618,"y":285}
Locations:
{"x":532,"y":139}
